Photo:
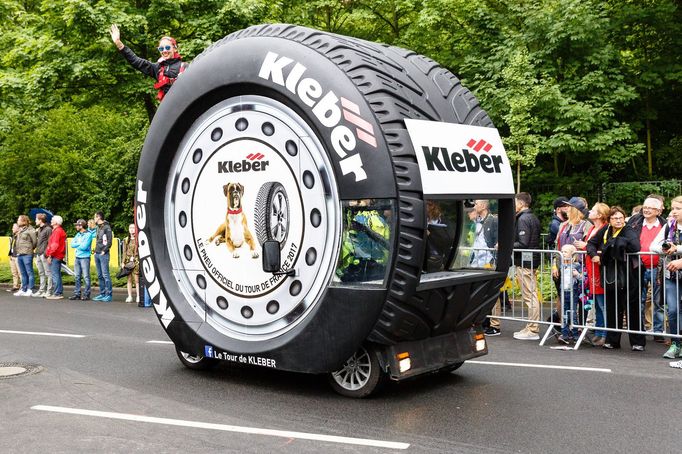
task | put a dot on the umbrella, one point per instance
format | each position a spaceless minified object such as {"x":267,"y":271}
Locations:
{"x":33,"y":211}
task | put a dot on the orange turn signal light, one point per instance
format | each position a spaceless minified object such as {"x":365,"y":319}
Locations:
{"x":402,"y":355}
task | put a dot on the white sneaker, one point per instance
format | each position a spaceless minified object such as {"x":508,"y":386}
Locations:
{"x":19,"y":293}
{"x":676,"y":364}
{"x":129,"y":299}
{"x":526,"y":335}
{"x":28,"y":292}
{"x":38,"y":295}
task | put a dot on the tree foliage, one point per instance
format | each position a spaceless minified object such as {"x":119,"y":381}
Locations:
{"x":582,"y":91}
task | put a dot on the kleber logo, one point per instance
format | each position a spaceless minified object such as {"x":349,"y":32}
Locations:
{"x":252,"y":163}
{"x":326,"y":109}
{"x":441,"y":159}
{"x":147,"y":267}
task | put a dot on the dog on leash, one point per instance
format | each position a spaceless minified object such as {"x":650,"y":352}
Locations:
{"x":235,"y":230}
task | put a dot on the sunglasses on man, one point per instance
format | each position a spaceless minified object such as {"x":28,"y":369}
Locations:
{"x":166,"y":48}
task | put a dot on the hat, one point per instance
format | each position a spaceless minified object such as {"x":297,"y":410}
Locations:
{"x":81,"y":222}
{"x":560,"y":201}
{"x":579,"y":204}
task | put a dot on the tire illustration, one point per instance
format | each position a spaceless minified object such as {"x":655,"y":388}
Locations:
{"x":360,"y":375}
{"x":196,"y":362}
{"x":295,"y":115}
{"x":272,"y":213}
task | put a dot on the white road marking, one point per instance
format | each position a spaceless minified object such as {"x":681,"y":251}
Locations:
{"x":225,"y":427}
{"x":542,"y":366}
{"x":33,"y":333}
{"x":160,"y":342}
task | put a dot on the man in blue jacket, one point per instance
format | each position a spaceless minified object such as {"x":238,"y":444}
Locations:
{"x":82,"y":245}
{"x":104,"y":238}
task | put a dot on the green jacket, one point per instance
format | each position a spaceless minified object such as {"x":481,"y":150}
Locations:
{"x":26,"y":241}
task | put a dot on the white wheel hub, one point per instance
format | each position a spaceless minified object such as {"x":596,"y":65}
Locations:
{"x":249,"y":170}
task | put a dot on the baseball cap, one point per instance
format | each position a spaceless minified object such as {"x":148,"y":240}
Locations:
{"x":560,"y":201}
{"x":579,"y":204}
{"x":81,"y":222}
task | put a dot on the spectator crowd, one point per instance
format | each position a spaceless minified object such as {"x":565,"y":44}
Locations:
{"x":45,"y":245}
{"x":615,"y":272}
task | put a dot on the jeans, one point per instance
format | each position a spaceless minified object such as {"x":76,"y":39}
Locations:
{"x":44,"y":273}
{"x":566,"y":310}
{"x":56,"y":268}
{"x":81,"y":268}
{"x":25,"y":262}
{"x":648,"y":277}
{"x":673,"y":294}
{"x":599,"y":315}
{"x":103,"y":276}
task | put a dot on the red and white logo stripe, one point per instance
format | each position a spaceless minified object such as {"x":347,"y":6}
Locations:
{"x":476,"y":146}
{"x":364,"y":130}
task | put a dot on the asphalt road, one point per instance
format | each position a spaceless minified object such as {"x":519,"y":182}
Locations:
{"x":614,"y":401}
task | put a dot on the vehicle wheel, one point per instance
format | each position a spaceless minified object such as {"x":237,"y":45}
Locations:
{"x":360,"y":376}
{"x":272,"y":213}
{"x":196,"y":362}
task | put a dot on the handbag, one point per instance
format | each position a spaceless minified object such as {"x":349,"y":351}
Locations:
{"x":125,"y":270}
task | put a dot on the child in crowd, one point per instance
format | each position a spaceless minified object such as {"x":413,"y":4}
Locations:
{"x":571,"y":272}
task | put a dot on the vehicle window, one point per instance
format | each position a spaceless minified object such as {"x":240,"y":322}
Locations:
{"x":478,"y":239}
{"x":441,"y":219}
{"x":368,"y":226}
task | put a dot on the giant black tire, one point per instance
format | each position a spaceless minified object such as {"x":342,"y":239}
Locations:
{"x":360,"y":150}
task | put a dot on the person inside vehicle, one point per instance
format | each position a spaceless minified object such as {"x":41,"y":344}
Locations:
{"x":365,"y":243}
{"x":165,"y":71}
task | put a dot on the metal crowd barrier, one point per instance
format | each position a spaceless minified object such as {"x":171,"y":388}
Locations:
{"x":540,"y":284}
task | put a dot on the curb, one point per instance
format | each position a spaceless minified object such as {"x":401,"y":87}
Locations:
{"x":68,"y":291}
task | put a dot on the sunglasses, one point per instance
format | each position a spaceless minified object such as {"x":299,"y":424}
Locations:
{"x":166,"y":48}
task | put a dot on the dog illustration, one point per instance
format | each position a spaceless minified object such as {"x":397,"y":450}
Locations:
{"x":234,"y":231}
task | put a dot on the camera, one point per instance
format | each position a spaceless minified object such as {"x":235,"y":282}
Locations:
{"x":665,"y":246}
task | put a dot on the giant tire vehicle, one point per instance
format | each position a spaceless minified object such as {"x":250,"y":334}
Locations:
{"x":321,"y":115}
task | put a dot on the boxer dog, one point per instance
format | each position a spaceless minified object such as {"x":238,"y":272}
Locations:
{"x":234,"y":231}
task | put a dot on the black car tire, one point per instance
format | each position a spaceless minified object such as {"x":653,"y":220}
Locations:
{"x":360,"y":376}
{"x":196,"y":362}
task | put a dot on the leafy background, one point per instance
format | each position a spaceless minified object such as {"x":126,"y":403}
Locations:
{"x":585,"y":93}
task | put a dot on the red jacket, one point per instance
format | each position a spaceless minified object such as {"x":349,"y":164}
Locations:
{"x":56,"y":245}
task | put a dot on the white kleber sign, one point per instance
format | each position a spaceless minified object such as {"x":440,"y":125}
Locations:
{"x":459,"y":159}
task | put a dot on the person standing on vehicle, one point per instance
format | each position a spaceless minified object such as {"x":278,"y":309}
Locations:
{"x":609,"y":248}
{"x":16,"y":276}
{"x":82,"y":245}
{"x":55,"y":252}
{"x":527,"y":262}
{"x":44,"y":232}
{"x":165,"y":71}
{"x":104,"y":238}
{"x":24,"y":246}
